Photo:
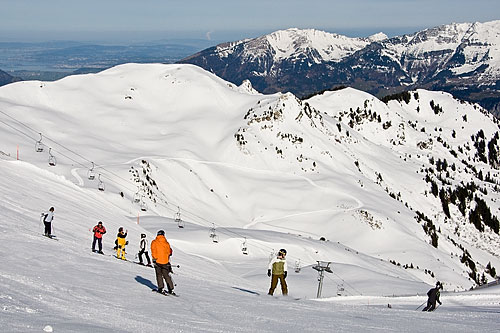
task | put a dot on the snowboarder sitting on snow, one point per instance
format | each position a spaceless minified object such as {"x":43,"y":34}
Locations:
{"x":47,"y":221}
{"x":143,"y":246}
{"x":433,"y":295}
{"x":98,"y":231}
{"x":278,"y":270}
{"x":120,"y":243}
{"x":161,"y":252}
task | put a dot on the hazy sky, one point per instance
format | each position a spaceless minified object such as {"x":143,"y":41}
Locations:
{"x":226,"y":19}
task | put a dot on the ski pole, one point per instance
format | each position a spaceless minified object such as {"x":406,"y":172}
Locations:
{"x":420,"y":305}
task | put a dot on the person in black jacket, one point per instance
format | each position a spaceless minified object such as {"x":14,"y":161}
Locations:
{"x":433,"y":295}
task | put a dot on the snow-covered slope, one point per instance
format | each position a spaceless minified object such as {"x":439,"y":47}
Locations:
{"x":323,"y":178}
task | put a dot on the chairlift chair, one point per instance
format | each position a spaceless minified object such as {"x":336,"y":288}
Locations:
{"x":244,"y":248}
{"x":39,"y":145}
{"x":297,"y":266}
{"x":144,"y":207}
{"x":91,"y":173}
{"x":137,"y":196}
{"x":52,"y":158}
{"x":213,"y":235}
{"x":177,"y":218}
{"x":100,"y":185}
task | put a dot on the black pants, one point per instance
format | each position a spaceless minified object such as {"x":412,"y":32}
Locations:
{"x":163,"y":272}
{"x":430,"y":306}
{"x":48,"y":229}
{"x":99,"y":243}
{"x":141,"y":252}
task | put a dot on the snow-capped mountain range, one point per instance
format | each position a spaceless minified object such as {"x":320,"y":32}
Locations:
{"x":396,"y":195}
{"x":463,"y":59}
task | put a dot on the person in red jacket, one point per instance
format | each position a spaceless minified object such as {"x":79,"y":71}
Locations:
{"x":98,"y":231}
{"x":161,"y":252}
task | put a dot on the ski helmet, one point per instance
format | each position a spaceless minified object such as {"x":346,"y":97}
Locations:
{"x":282,"y":252}
{"x":439,"y":285}
{"x":160,"y":232}
{"x":143,"y":235}
{"x":120,"y":229}
{"x":100,"y":222}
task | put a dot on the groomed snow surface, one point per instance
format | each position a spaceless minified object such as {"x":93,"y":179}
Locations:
{"x":63,"y":285}
{"x":182,"y":120}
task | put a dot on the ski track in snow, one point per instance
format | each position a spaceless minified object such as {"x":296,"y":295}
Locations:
{"x":79,"y":179}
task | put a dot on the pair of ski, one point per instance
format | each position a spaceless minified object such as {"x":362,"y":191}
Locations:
{"x":51,"y":237}
{"x":134,"y":262}
{"x":164,"y":293}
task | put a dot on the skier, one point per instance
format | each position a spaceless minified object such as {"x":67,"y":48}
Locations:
{"x":120,"y":243}
{"x":433,"y":295}
{"x":47,"y":221}
{"x":278,"y":270}
{"x":161,"y":252}
{"x":98,"y":231}
{"x":143,"y":246}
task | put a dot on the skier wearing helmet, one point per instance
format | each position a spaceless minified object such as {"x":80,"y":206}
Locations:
{"x":161,"y":252}
{"x":143,"y":246}
{"x":433,"y":295}
{"x":278,"y":271}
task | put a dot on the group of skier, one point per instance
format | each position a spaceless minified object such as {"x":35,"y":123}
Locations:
{"x":161,"y":252}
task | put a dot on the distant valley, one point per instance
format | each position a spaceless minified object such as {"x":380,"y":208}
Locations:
{"x":51,"y":61}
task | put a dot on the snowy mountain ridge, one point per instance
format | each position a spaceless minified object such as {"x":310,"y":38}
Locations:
{"x":293,"y":44}
{"x":460,"y":58}
{"x":340,"y":177}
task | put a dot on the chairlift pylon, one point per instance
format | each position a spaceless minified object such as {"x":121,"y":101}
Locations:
{"x":100,"y":185}
{"x":91,"y":173}
{"x":39,"y":145}
{"x":177,"y":218}
{"x":213,"y":234}
{"x":52,"y":158}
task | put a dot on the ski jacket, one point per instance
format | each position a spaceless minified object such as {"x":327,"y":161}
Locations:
{"x":278,"y":266}
{"x":160,"y":250}
{"x":99,"y":231}
{"x":433,"y":295}
{"x":48,"y":217}
{"x":144,"y":245}
{"x":120,"y":238}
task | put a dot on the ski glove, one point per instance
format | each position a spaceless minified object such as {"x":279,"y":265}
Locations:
{"x":269,"y":272}
{"x":285,"y":274}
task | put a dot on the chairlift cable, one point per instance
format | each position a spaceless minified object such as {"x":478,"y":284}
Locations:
{"x":187,"y":212}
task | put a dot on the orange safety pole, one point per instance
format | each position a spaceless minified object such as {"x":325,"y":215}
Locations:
{"x":137,"y":218}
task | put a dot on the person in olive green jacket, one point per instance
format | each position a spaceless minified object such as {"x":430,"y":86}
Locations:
{"x":278,"y":270}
